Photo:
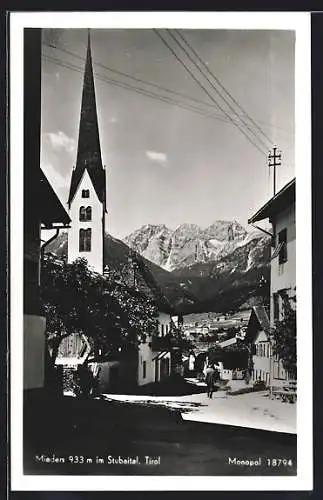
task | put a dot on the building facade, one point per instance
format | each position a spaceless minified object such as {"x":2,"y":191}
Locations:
{"x":283,"y":263}
{"x":258,"y":338}
{"x":154,"y":355}
{"x":280,"y":212}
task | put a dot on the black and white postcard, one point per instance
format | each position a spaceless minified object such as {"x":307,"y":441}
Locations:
{"x":160,"y":251}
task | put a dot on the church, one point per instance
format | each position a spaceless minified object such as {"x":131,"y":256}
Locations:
{"x":87,"y":193}
{"x":87,"y":204}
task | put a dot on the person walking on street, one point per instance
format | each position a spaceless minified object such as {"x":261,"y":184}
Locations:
{"x":215,"y":378}
{"x":209,"y":378}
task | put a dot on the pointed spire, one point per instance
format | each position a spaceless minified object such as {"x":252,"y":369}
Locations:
{"x":88,"y":149}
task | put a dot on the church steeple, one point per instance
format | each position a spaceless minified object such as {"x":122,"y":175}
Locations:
{"x":88,"y":149}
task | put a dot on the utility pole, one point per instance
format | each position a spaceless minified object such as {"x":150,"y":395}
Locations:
{"x":274,"y":160}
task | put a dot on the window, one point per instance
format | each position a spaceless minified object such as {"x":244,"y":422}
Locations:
{"x":276,"y":306}
{"x":82,"y":213}
{"x":85,"y":193}
{"x":85,"y":213}
{"x":282,"y":238}
{"x":285,"y":301}
{"x":144,"y":368}
{"x":85,"y":240}
{"x":88,"y":213}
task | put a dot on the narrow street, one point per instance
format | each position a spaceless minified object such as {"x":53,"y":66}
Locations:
{"x":91,"y":433}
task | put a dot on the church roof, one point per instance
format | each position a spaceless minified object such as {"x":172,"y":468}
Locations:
{"x":88,"y":149}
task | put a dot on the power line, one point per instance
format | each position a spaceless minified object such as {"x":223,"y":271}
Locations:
{"x":144,"y":92}
{"x":217,"y":91}
{"x":207,"y":92}
{"x":145,"y":82}
{"x":222,"y":86}
{"x":121,"y":73}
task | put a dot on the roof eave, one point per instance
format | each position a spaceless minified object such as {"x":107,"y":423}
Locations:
{"x":53,"y":211}
{"x":270,"y":207}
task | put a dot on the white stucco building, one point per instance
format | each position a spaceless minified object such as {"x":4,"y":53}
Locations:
{"x":280,"y":211}
{"x":154,"y":355}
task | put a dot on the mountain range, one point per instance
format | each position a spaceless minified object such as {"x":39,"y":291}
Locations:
{"x":218,"y":268}
{"x":189,"y":243}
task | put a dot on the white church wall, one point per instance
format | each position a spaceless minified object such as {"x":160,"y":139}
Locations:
{"x":95,"y":256}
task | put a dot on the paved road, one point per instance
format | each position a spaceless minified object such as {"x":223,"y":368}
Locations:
{"x":93,"y":431}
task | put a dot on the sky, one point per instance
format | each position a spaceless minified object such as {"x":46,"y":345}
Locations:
{"x":165,"y":164}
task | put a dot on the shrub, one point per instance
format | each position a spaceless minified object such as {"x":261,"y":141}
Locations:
{"x":259,"y":385}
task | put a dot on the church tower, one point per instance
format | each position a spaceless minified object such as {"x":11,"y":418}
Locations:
{"x":87,"y":195}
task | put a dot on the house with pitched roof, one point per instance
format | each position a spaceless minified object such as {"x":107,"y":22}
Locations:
{"x":258,"y":338}
{"x":280,"y":212}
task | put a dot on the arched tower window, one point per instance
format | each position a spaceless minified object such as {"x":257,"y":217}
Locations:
{"x":85,"y":240}
{"x":82,"y":213}
{"x":88,"y":213}
{"x":85,"y":213}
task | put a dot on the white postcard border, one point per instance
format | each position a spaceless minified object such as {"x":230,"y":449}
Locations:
{"x":300,"y":22}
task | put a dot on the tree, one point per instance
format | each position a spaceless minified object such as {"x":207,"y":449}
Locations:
{"x":75,"y":299}
{"x":284,"y":336}
{"x":232,"y":356}
{"x":215,"y":354}
{"x":237,"y":355}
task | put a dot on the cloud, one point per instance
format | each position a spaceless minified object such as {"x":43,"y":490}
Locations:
{"x":113,"y":119}
{"x":55,"y":178}
{"x":60,"y":141}
{"x":158,"y":157}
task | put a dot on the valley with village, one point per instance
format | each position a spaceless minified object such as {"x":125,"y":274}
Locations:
{"x":167,"y":350}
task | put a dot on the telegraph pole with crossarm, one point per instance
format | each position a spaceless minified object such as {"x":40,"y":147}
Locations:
{"x":274,"y":160}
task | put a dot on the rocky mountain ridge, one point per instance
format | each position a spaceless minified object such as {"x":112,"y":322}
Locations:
{"x":219,"y":268}
{"x":190,"y":244}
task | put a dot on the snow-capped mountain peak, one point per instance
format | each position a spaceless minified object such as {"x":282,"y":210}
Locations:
{"x":189,"y":243}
